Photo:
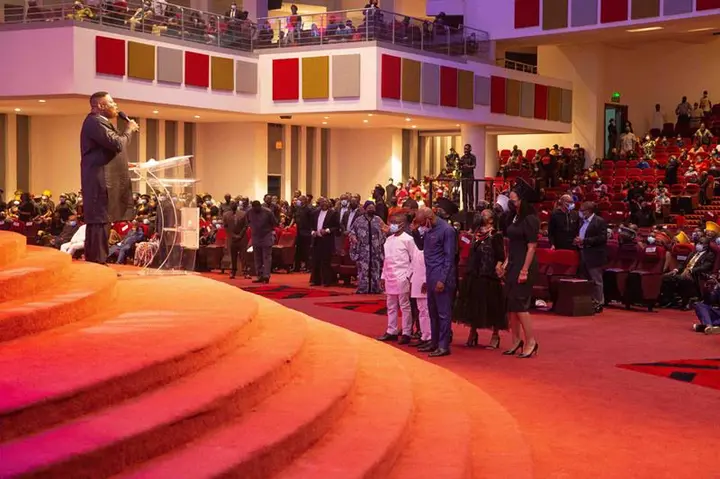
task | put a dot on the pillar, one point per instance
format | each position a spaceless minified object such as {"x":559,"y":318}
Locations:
{"x":255,"y":8}
{"x":492,"y":162}
{"x":142,"y":151}
{"x":11,"y":156}
{"x":315,"y":183}
{"x":476,"y":136}
{"x":302,"y":182}
{"x":286,"y":163}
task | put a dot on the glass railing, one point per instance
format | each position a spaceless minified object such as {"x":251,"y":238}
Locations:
{"x":237,"y":33}
{"x":519,"y":66}
{"x":152,"y":18}
{"x":371,"y":25}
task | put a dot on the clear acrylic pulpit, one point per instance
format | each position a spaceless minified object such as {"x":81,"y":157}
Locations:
{"x":176,"y":231}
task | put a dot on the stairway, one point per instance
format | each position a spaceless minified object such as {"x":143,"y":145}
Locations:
{"x":184,"y":377}
{"x":697,"y":218}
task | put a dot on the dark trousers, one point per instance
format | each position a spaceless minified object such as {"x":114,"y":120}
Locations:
{"x":322,"y":272}
{"x":97,"y":248}
{"x":302,"y":251}
{"x":440,"y":308}
{"x":468,"y":193}
{"x":415,"y":314}
{"x":237,"y":248}
{"x":595,"y":276}
{"x":684,"y":286}
{"x":707,"y":315}
{"x":263,"y":260}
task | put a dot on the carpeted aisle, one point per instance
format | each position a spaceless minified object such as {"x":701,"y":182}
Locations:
{"x":582,"y":414}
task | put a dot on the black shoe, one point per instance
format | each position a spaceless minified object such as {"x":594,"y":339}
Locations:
{"x":404,"y":339}
{"x":534,"y":351}
{"x":266,"y":280}
{"x":418,"y":343}
{"x":518,"y":347}
{"x":429,"y":347}
{"x":439,"y":352}
{"x":472,"y":340}
{"x":388,"y":337}
{"x":258,"y":281}
{"x":598,"y":309}
{"x":232,"y":275}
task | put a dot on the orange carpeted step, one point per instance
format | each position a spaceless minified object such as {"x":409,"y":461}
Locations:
{"x":158,"y":329}
{"x":281,"y":427}
{"x":12,"y":247}
{"x":35,"y":273}
{"x":87,"y":290}
{"x":107,"y":442}
{"x":375,"y":426}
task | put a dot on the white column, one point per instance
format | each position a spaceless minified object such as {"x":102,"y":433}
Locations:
{"x":302,"y":161}
{"x":286,"y":163}
{"x":179,"y":149}
{"x":11,"y":156}
{"x":256,"y":8}
{"x":475,"y":136}
{"x":142,"y":150}
{"x":492,"y":163}
{"x":314,"y":183}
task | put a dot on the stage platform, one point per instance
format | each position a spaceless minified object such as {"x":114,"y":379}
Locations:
{"x":185,"y":377}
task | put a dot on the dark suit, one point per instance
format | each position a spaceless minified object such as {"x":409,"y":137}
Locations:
{"x":593,"y":256}
{"x":236,"y":227}
{"x":685,"y":282}
{"x":105,"y":178}
{"x":303,"y":220}
{"x":390,"y":191}
{"x":467,"y":172}
{"x":262,"y":233}
{"x":323,"y":247}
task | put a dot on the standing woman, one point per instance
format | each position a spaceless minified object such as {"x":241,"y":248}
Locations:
{"x":367,"y":237}
{"x":521,"y":268}
{"x":480,"y":304}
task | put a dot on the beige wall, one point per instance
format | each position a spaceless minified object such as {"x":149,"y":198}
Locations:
{"x":358,"y":167}
{"x":55,"y":153}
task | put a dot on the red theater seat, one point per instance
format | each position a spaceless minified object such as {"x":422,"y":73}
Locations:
{"x":615,"y":275}
{"x":644,"y":282}
{"x":283,"y":253}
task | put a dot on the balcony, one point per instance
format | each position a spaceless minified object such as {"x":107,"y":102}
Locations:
{"x":240,"y":34}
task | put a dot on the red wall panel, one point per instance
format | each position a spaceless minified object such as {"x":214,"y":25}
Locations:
{"x":527,"y":13}
{"x":497,"y":94}
{"x":541,"y":102}
{"x":708,"y":4}
{"x":286,"y":79}
{"x":614,"y":11}
{"x":197,"y":70}
{"x":109,"y":56}
{"x":448,"y":86}
{"x":390,"y":84}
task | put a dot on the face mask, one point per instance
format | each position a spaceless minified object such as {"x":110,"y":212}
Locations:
{"x":298,"y":204}
{"x":208,"y":202}
{"x":570,"y":206}
{"x":699,"y":248}
{"x":143,"y":201}
{"x":146,"y":221}
{"x":651,"y":240}
{"x":581,"y":214}
{"x":695,"y":236}
{"x":598,"y":183}
{"x":370,"y":213}
{"x":44,"y":198}
{"x":422,"y":230}
{"x":394,"y":228}
{"x":73,"y":223}
{"x":344,"y":203}
{"x":62,"y":200}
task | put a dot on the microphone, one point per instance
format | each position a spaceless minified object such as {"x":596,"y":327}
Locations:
{"x":124,"y":116}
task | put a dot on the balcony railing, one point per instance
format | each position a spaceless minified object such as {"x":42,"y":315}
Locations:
{"x":238,"y":33}
{"x":159,"y":19}
{"x":519,"y":66}
{"x":371,"y":25}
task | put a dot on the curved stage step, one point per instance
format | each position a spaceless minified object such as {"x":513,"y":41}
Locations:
{"x":167,"y":377}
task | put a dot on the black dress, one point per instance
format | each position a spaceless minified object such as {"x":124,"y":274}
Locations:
{"x":520,"y":232}
{"x":480,"y":303}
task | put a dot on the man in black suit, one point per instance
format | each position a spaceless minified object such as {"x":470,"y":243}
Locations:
{"x":592,"y":243}
{"x":302,"y":219}
{"x":235,"y":224}
{"x":262,"y":224}
{"x":325,"y":225}
{"x":684,"y":281}
{"x":104,"y":175}
{"x":468,"y":162}
{"x":390,"y":190}
{"x":564,"y":224}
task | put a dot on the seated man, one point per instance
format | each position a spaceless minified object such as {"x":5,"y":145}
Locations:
{"x":684,"y":280}
{"x":123,"y":248}
{"x":67,"y":233}
{"x":708,"y":312}
{"x":76,"y":243}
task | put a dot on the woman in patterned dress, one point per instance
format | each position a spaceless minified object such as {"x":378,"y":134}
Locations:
{"x":367,"y":237}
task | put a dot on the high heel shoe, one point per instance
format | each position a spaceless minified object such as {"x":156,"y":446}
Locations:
{"x":518,"y":346}
{"x":494,"y":342}
{"x":534,"y":351}
{"x":472,"y":340}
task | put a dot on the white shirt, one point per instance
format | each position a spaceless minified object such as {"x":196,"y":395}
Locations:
{"x":419,"y":276}
{"x":79,"y":236}
{"x":351,"y":217}
{"x":658,"y":120}
{"x":321,"y":220}
{"x":397,"y":268}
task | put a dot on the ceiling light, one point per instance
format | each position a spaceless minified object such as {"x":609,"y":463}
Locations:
{"x":18,"y":109}
{"x":41,"y":101}
{"x":646,"y":29}
{"x":408,"y":119}
{"x":326,"y":117}
{"x":370,"y":114}
{"x":197,"y":116}
{"x":155,"y":112}
{"x":457,"y":124}
{"x":324,"y":123}
{"x":414,"y":126}
{"x":700,"y":29}
{"x":365,"y":121}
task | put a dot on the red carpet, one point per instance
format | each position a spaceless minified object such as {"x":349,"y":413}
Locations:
{"x":701,"y":372}
{"x":279,"y":291}
{"x":376,"y":306}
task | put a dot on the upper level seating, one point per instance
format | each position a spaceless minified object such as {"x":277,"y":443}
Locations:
{"x":239,"y":33}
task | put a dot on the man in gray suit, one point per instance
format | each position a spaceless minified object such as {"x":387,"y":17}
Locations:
{"x":104,"y":175}
{"x":262,"y":223}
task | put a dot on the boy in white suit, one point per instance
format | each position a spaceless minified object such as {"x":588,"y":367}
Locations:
{"x":395,"y":280}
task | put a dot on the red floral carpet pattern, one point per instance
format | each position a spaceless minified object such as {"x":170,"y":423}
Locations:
{"x":701,"y":372}
{"x":279,"y":292}
{"x":373,"y":306}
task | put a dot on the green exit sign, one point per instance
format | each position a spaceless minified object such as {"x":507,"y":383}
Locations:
{"x":615,"y":97}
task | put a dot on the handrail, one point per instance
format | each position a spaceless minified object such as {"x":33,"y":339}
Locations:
{"x":156,"y":18}
{"x":238,"y":33}
{"x":515,"y":65}
{"x":372,"y":24}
